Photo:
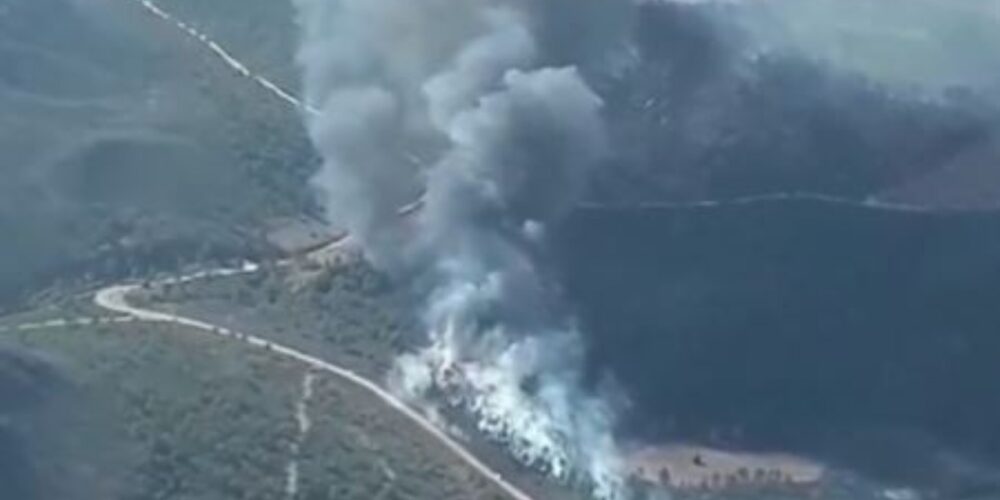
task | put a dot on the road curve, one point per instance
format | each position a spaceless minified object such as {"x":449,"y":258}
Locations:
{"x":115,"y":299}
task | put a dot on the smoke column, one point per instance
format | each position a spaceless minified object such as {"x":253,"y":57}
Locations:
{"x":489,"y":96}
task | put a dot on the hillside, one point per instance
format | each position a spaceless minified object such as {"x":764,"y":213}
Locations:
{"x":716,"y":109}
{"x":865,"y":336}
{"x":120,"y":138}
{"x":783,"y":269}
{"x":139,"y":411}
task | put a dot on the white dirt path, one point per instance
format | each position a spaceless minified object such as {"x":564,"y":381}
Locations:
{"x":115,"y":299}
{"x":304,"y":425}
{"x":226,"y":57}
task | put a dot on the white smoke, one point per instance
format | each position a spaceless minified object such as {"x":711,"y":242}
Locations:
{"x":506,"y":140}
{"x":911,"y":44}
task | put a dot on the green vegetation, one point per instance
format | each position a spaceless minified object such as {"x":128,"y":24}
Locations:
{"x":348,"y":314}
{"x":166,"y":412}
{"x":351,"y":315}
{"x":186,"y":416}
{"x":157,"y":153}
{"x":362,"y":451}
{"x":263,"y":33}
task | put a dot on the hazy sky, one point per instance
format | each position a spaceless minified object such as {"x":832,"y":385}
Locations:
{"x":926,"y":43}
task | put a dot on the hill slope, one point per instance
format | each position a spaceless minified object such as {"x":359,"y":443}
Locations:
{"x":119,"y":136}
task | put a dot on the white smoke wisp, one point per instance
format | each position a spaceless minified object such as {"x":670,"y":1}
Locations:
{"x":507,"y":141}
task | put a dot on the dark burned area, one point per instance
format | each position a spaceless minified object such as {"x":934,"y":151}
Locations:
{"x":804,"y":325}
{"x":865,"y":336}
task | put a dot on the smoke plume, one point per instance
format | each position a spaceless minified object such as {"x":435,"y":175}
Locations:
{"x":480,"y":108}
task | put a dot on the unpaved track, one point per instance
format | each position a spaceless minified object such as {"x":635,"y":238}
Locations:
{"x":115,"y":299}
{"x":65,"y":322}
{"x":304,"y":425}
{"x":226,"y":57}
{"x":870,"y":203}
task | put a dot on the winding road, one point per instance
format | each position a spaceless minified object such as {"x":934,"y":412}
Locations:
{"x":115,"y":300}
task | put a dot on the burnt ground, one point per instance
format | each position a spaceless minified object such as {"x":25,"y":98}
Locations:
{"x":806,"y":325}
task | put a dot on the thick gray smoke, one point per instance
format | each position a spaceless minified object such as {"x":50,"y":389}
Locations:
{"x":929,"y":44}
{"x":922,"y":44}
{"x":479,"y":107}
